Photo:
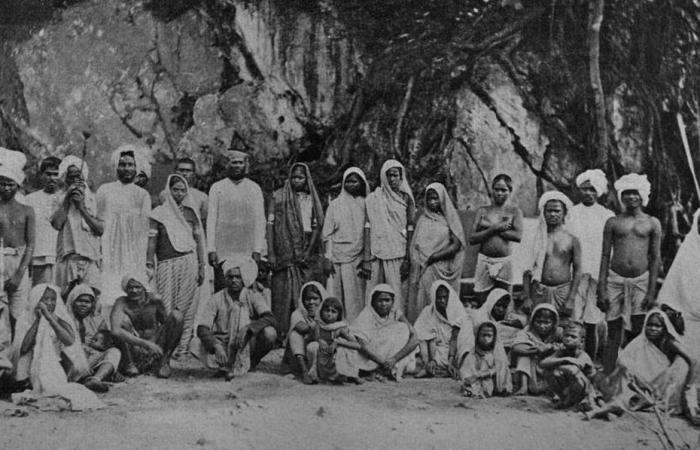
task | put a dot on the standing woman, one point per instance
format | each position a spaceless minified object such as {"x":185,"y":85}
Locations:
{"x":495,"y":227}
{"x":294,"y":225}
{"x":437,"y":249}
{"x":175,"y":240}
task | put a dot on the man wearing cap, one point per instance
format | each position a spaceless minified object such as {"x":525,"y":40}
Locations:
{"x":17,"y":235}
{"x":586,"y":221}
{"x":236,"y":327}
{"x":627,"y":280}
{"x":236,"y":221}
{"x":79,"y":229}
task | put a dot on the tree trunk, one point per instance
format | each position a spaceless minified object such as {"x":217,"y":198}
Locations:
{"x":403,"y":110}
{"x":595,"y":20}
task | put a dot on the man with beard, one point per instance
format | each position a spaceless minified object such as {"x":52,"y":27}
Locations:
{"x":627,"y":281}
{"x":45,"y":202}
{"x":236,"y":217}
{"x":17,"y":236}
{"x":124,"y":209}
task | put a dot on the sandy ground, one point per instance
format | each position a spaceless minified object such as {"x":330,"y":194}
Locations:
{"x":264,"y":410}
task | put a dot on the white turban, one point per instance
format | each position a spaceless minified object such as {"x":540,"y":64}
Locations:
{"x":12,"y":165}
{"x":244,"y":263}
{"x":597,"y":179}
{"x":634,"y":182}
{"x":540,"y":243}
{"x":554,"y":195}
{"x":69,"y":161}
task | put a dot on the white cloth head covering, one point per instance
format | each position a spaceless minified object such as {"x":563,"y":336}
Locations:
{"x":359,"y":173}
{"x":244,"y":263}
{"x":170,"y":215}
{"x":384,"y":181}
{"x":540,"y":244}
{"x":72,"y":160}
{"x":138,"y":276}
{"x":634,"y":182}
{"x":12,"y":165}
{"x":597,"y":179}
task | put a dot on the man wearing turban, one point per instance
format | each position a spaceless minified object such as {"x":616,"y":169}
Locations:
{"x":17,"y":234}
{"x":586,"y":221}
{"x":627,"y":279}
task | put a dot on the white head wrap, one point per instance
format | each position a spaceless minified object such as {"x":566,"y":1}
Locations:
{"x":634,"y":182}
{"x":597,"y":179}
{"x":540,"y":244}
{"x":554,"y":195}
{"x":69,"y":161}
{"x":12,"y":165}
{"x":244,"y":263}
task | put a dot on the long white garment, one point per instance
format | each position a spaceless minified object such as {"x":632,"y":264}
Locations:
{"x":125,"y":210}
{"x":236,"y":219}
{"x":45,"y":241}
{"x":587,"y":224}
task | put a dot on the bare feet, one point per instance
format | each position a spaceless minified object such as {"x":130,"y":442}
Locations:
{"x":96,"y":385}
{"x":520,"y":392}
{"x":131,"y":370}
{"x":422,"y":374}
{"x":164,"y":371}
{"x":228,"y":376}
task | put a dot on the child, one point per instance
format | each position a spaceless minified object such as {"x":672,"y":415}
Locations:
{"x":569,"y":370}
{"x":301,"y":346}
{"x":332,"y":331}
{"x":484,"y":371}
{"x":653,"y":368}
{"x":497,"y":308}
{"x":540,"y":339}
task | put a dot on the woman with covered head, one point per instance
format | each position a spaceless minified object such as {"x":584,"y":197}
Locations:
{"x":390,"y":219}
{"x":437,"y":249}
{"x":235,"y":327}
{"x":437,"y":329}
{"x":124,"y":209}
{"x":302,"y":349}
{"x":176,"y":248}
{"x":294,"y":226}
{"x":386,"y":339}
{"x":498,"y":308}
{"x":346,"y":264}
{"x":93,"y":334}
{"x":495,"y":227}
{"x":44,"y":336}
{"x":146,"y":334}
{"x":484,"y":368}
{"x":654,"y":369}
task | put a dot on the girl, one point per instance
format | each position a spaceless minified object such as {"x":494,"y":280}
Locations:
{"x":437,"y":249}
{"x":332,"y":331}
{"x":176,"y":243}
{"x":301,"y":348}
{"x":497,"y":308}
{"x":484,"y":371}
{"x":538,"y":340}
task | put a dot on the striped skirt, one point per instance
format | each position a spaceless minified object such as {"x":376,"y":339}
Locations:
{"x":176,"y":281}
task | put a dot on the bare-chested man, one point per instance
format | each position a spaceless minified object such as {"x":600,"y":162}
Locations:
{"x":16,"y":235}
{"x":147,"y":335}
{"x":627,"y":281}
{"x":495,"y":227}
{"x":556,"y":270}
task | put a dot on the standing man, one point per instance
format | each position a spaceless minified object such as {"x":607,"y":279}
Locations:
{"x":627,"y":280}
{"x":79,"y":229}
{"x":45,"y":202}
{"x":556,"y":270}
{"x":236,"y":217}
{"x":586,"y":221}
{"x":124,"y":209}
{"x":389,"y":230}
{"x":17,"y":234}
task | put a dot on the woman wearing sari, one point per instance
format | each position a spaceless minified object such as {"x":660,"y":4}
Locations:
{"x":437,"y":249}
{"x":293,"y":229}
{"x":176,"y":244}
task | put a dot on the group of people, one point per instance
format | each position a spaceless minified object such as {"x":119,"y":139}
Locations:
{"x":96,"y":287}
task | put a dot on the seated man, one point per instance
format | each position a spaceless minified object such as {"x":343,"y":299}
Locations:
{"x":235,"y":327}
{"x":147,"y":336}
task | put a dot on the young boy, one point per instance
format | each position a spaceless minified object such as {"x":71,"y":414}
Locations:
{"x":568,"y":371}
{"x":45,"y":202}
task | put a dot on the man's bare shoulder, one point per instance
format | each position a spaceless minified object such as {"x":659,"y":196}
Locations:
{"x":16,"y":208}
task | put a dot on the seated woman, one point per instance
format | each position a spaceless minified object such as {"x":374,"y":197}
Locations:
{"x":539,"y":339}
{"x":437,"y":250}
{"x":44,"y":335}
{"x":484,"y":371}
{"x":437,"y":329}
{"x":145,"y":333}
{"x":653,"y":369}
{"x":498,"y":309}
{"x":301,"y":349}
{"x":331,"y":331}
{"x":235,"y":327}
{"x":93,"y":334}
{"x":387,"y":340}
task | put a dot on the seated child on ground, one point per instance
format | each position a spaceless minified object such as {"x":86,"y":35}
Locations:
{"x":498,"y":309}
{"x":437,"y":328}
{"x":302,"y":347}
{"x":484,"y":371}
{"x":538,"y":340}
{"x":332,"y":331}
{"x":569,"y":370}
